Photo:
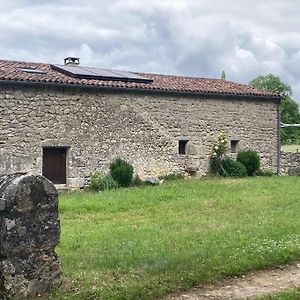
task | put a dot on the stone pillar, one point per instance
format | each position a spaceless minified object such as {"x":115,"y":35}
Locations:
{"x":29,"y":233}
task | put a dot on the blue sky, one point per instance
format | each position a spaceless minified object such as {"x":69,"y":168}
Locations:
{"x":183,"y":37}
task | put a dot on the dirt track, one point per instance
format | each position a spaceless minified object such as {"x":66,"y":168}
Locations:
{"x":248,"y":286}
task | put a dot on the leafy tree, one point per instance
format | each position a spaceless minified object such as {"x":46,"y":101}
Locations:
{"x":272,"y":83}
{"x":290,"y":115}
{"x":223,"y":76}
{"x":289,"y":108}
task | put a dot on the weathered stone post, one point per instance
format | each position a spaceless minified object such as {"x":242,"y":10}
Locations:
{"x":29,"y":233}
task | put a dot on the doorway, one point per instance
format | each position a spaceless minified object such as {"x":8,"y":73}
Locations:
{"x":54,"y":164}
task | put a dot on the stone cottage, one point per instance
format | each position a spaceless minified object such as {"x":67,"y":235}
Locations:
{"x":66,"y":121}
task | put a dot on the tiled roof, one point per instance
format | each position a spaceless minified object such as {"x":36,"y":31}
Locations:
{"x":11,"y":71}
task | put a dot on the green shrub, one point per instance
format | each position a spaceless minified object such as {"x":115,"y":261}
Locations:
{"x":122,"y":172}
{"x":233,"y":168}
{"x":172,"y":176}
{"x":215,"y":166}
{"x":100,"y":182}
{"x":218,"y":152}
{"x":267,"y":173}
{"x":250,"y":160}
{"x":137,"y":181}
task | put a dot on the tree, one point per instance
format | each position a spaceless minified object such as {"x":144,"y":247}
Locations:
{"x":290,"y":115}
{"x":289,"y":108}
{"x":272,"y":83}
{"x":223,"y":76}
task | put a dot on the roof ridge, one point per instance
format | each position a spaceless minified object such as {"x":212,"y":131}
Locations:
{"x":10,"y":71}
{"x":136,"y":72}
{"x":25,"y":62}
{"x":179,"y":76}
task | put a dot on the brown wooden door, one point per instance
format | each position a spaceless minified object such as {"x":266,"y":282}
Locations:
{"x":54,"y":164}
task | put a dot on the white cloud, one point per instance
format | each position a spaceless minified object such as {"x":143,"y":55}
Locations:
{"x":188,"y":37}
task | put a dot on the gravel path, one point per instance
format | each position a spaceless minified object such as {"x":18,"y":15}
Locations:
{"x":249,"y":286}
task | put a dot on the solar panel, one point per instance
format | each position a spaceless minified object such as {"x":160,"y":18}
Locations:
{"x":129,"y":74}
{"x":72,"y":71}
{"x":101,"y":74}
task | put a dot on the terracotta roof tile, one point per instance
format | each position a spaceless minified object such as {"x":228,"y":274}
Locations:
{"x":10,"y":71}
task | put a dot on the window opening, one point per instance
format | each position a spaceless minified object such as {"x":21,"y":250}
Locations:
{"x":182,"y":147}
{"x":234,"y":146}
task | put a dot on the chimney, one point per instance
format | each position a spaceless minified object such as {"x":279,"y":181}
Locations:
{"x":72,"y":61}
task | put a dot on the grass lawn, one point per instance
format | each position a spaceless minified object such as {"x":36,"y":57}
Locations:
{"x":290,"y":148}
{"x":290,"y":295}
{"x":147,"y":242}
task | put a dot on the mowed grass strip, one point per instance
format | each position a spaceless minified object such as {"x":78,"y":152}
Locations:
{"x":142,"y":243}
{"x":290,"y":148}
{"x":287,"y":295}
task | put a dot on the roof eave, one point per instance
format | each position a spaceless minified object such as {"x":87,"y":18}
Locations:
{"x":141,"y":90}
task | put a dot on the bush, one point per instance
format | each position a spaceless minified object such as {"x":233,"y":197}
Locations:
{"x":267,"y":173}
{"x":250,"y":160}
{"x":218,"y":152}
{"x":137,"y":181}
{"x":233,"y":168}
{"x":100,"y":182}
{"x":171,"y":176}
{"x":122,"y":172}
{"x":215,"y":166}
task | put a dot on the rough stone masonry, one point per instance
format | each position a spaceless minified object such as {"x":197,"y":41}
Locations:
{"x":29,"y":233}
{"x":290,"y":163}
{"x":95,"y":126}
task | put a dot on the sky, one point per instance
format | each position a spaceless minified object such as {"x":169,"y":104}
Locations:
{"x":181,"y":37}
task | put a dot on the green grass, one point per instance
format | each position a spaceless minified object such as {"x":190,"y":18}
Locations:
{"x":290,"y":148}
{"x":144,"y":243}
{"x":290,"y":295}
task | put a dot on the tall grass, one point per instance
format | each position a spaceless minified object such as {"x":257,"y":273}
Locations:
{"x":143,"y":243}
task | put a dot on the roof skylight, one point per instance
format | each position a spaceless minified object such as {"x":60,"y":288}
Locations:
{"x":31,"y":70}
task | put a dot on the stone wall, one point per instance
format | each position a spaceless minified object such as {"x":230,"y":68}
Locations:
{"x":98,"y":125}
{"x":290,"y":163}
{"x":29,"y":233}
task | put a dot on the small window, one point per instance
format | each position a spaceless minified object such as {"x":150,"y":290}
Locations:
{"x":182,"y":147}
{"x":234,"y":146}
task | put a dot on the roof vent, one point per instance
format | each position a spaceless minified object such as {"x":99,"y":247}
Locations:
{"x":72,"y":61}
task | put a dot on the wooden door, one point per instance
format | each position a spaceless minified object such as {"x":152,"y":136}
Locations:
{"x":54,"y":164}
